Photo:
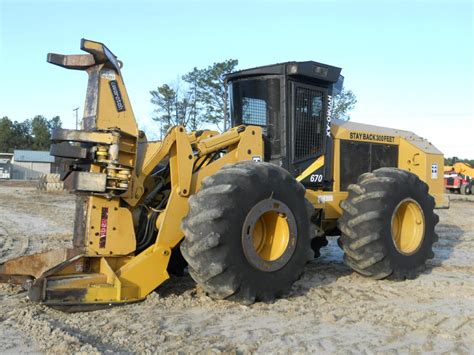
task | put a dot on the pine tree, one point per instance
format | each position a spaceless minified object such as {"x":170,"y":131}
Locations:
{"x":213,"y":93}
{"x":343,"y":103}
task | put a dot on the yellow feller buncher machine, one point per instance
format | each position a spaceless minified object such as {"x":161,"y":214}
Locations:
{"x":243,"y":210}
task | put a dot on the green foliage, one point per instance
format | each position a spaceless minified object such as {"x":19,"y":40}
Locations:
{"x":343,"y":103}
{"x":40,"y":133}
{"x":21,"y":135}
{"x":6,"y":134}
{"x":164,"y":97}
{"x":55,"y":123}
{"x":202,"y":99}
{"x":194,"y":79}
{"x":452,"y":160}
{"x":14,"y":135}
{"x":174,"y":106}
{"x":214,"y":93}
{"x":30,"y":134}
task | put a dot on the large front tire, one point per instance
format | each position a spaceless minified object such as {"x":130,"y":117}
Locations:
{"x":248,"y":233}
{"x":388,"y":225}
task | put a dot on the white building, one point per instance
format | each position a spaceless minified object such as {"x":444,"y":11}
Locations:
{"x":30,"y":164}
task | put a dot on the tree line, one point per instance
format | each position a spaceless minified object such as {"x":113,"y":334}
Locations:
{"x":453,"y":160}
{"x":31,"y":134}
{"x":195,"y":99}
{"x":200,"y":98}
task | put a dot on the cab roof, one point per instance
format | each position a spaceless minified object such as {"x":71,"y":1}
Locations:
{"x":309,"y":70}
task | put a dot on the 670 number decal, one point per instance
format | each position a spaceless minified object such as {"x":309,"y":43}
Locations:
{"x":316,"y":178}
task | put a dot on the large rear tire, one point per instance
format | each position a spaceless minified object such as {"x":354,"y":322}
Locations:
{"x":248,"y":233}
{"x":388,"y":225}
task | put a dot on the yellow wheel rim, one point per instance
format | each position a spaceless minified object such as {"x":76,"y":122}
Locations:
{"x":408,"y":227}
{"x":271,"y":235}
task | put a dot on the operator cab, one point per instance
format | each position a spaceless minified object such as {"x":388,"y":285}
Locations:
{"x":291,"y":102}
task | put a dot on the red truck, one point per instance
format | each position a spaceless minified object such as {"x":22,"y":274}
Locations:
{"x":457,"y":180}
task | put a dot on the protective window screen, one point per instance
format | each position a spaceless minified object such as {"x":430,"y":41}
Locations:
{"x":254,"y":111}
{"x":383,"y":156}
{"x":354,"y":162}
{"x":361,"y":157}
{"x":256,"y":102}
{"x":308,"y":123}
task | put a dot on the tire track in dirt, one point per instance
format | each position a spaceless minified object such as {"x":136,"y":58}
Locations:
{"x":11,"y":246}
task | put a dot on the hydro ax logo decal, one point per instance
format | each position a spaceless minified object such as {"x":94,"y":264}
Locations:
{"x":117,"y":95}
{"x":328,"y":119}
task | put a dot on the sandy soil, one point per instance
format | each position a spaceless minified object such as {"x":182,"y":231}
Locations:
{"x":331,"y":309}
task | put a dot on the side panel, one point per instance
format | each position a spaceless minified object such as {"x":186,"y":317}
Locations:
{"x":428,"y":167}
{"x":109,"y":228}
{"x":356,"y":152}
{"x":415,"y":154}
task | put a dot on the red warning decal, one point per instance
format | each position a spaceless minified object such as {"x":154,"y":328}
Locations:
{"x":103,"y":227}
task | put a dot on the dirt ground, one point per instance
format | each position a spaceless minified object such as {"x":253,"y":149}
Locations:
{"x":331,"y":309}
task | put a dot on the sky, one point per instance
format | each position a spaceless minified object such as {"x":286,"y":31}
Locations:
{"x":409,"y":62}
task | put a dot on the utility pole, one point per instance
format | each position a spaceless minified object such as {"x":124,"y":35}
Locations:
{"x":76,"y":110}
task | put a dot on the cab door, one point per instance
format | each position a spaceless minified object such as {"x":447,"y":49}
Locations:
{"x":308,"y":126}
